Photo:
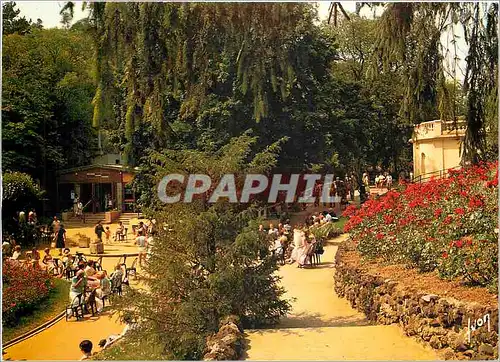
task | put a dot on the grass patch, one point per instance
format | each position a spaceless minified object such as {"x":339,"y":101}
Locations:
{"x":130,"y":348}
{"x":50,"y":307}
{"x":340,"y":224}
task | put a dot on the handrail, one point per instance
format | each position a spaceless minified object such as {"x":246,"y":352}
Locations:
{"x":428,"y":175}
{"x":87,"y":204}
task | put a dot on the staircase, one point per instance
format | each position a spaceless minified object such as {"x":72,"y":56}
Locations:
{"x":126,"y":217}
{"x":90,"y":220}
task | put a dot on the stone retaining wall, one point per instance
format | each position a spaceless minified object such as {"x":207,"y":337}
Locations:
{"x":227,"y":343}
{"x":440,"y":322}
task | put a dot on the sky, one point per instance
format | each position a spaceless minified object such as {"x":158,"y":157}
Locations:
{"x":48,"y":12}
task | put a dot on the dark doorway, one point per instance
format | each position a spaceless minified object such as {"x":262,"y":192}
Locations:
{"x":102,"y":192}
{"x":86,"y":195}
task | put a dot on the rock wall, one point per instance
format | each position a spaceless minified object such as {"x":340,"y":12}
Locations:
{"x":443,"y":323}
{"x":227,"y":343}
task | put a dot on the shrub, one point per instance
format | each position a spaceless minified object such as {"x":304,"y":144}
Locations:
{"x":23,"y":287}
{"x":445,"y":224}
{"x":20,"y":193}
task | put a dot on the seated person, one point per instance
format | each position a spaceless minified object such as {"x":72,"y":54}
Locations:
{"x":47,"y":260}
{"x":120,"y":231}
{"x":17,"y":253}
{"x":103,"y":290}
{"x":105,"y":343}
{"x":90,"y":269}
{"x":78,"y":284}
{"x":90,"y":274}
{"x":116,"y":277}
{"x":6,"y":248}
{"x":35,"y":257}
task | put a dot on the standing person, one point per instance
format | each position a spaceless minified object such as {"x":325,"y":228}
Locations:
{"x":366,"y":182}
{"x":79,"y":209}
{"x":60,"y":239}
{"x":389,"y":181}
{"x":55,"y":224}
{"x":99,"y":229}
{"x":354,"y":185}
{"x":141,"y":243}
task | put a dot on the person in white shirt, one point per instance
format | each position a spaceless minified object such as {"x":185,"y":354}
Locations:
{"x":141,"y":242}
{"x":389,"y":181}
{"x":105,"y":343}
{"x":328,"y":218}
{"x":272,"y":230}
{"x":17,"y":253}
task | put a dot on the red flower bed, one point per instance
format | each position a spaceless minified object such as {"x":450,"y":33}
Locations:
{"x":446,"y":224}
{"x":23,"y":287}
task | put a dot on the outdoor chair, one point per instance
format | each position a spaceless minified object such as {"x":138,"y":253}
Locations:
{"x":58,"y":267}
{"x":310,"y":256}
{"x":318,"y":251}
{"x":91,"y":303}
{"x":76,"y":308}
{"x":69,"y":272}
{"x":132,"y":268}
{"x":116,"y":289}
{"x":122,"y":236}
{"x":80,"y":257}
{"x":98,"y":264}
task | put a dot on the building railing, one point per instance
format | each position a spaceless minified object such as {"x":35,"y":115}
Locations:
{"x":436,"y":174}
{"x":459,"y":125}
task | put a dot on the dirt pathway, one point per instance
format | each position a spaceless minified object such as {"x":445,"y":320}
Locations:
{"x":323,"y":326}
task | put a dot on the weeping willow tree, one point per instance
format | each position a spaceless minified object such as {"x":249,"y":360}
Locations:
{"x":165,"y":53}
{"x":410,"y":35}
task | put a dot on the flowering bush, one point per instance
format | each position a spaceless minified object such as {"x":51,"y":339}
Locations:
{"x":448,"y":224}
{"x":23,"y":287}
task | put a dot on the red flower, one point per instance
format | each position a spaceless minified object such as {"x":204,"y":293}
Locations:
{"x":445,"y":255}
{"x":447,"y":220}
{"x":459,"y":243}
{"x":475,"y":202}
{"x":380,"y":236}
{"x":438,"y":212}
{"x":459,"y":211}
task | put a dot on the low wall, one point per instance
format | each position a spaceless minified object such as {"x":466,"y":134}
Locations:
{"x":441,"y":322}
{"x":227,"y":343}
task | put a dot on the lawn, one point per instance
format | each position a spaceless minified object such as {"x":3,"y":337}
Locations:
{"x":45,"y":311}
{"x":340,"y":224}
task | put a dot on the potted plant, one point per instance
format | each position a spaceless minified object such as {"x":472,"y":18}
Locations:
{"x":111,"y":216}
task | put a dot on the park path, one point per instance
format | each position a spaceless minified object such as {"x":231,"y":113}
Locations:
{"x":323,"y":326}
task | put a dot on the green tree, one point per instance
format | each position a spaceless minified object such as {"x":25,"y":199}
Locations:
{"x":12,"y":23}
{"x":410,"y":33}
{"x":209,"y":260}
{"x":46,"y":107}
{"x":20,"y":193}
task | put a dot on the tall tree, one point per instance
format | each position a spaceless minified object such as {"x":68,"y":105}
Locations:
{"x":410,"y":33}
{"x":210,"y":262}
{"x":12,"y":23}
{"x":46,"y":110}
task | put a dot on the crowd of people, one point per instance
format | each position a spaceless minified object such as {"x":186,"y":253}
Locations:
{"x":297,"y":244}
